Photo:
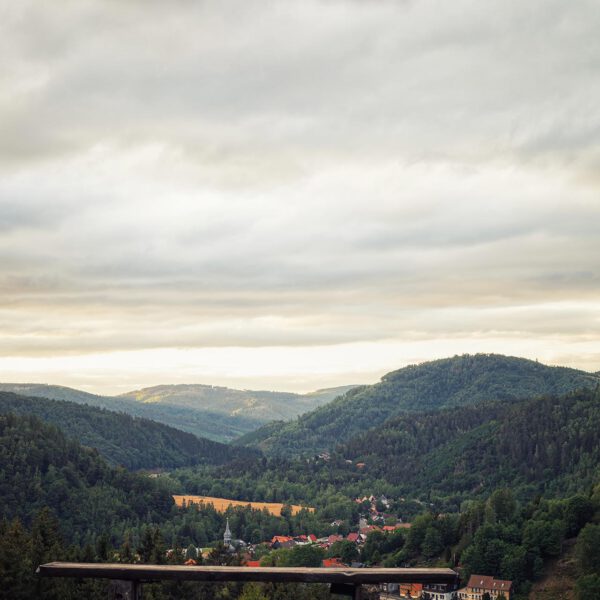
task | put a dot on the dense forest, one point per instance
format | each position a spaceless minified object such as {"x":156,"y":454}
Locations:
{"x":452,"y":382}
{"x":133,"y":442}
{"x":502,"y":487}
{"x":547,"y":445}
{"x":41,"y":468}
{"x":210,"y":424}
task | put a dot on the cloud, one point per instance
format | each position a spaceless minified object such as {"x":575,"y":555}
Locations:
{"x":302,"y":174}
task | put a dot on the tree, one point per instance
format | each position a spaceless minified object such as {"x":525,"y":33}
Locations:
{"x":305,"y":556}
{"x":432,"y":543}
{"x":588,"y":587}
{"x":587,"y":550}
{"x":191,"y":552}
{"x":503,"y":505}
{"x":578,"y":511}
{"x":252,"y":591}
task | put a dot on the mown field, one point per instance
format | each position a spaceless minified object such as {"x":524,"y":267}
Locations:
{"x":222,"y":504}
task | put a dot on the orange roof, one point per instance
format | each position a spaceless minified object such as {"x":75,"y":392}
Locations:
{"x":332,"y":562}
{"x":281,"y":539}
{"x":252,"y":563}
{"x":414,"y":589}
{"x":190,"y":562}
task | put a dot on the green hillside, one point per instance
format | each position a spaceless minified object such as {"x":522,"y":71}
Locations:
{"x":217,"y":413}
{"x":548,"y":445}
{"x":209,"y":424}
{"x":121,"y":439}
{"x":40,"y":467}
{"x":451,"y":382}
{"x":260,"y":406}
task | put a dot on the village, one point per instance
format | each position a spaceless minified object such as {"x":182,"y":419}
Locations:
{"x":341,"y":551}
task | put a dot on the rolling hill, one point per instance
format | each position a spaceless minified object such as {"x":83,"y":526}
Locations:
{"x":133,"y":442}
{"x":451,"y":382}
{"x":546,"y":445}
{"x":41,"y":468}
{"x":202,"y":423}
{"x":261,"y":406}
{"x":217,"y":413}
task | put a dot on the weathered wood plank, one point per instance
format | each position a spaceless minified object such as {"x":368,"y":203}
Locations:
{"x":274,"y":574}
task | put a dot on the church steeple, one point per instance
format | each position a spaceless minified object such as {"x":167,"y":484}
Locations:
{"x":227,"y":535}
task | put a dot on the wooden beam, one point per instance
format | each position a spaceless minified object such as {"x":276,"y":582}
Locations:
{"x":128,"y":572}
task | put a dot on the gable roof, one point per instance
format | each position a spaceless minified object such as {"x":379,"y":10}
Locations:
{"x":487,"y":582}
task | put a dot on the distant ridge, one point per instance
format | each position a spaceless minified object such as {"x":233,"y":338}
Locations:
{"x":260,"y":405}
{"x":202,"y":423}
{"x":449,"y":382}
{"x":132,"y":442}
{"x":217,"y":413}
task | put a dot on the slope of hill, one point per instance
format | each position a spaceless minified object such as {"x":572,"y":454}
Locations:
{"x":121,"y":439}
{"x":217,"y":413}
{"x":262,"y":406}
{"x":546,"y":445}
{"x":216,"y":426}
{"x":451,"y":382}
{"x":40,"y":467}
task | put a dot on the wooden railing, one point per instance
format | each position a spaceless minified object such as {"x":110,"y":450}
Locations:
{"x":127,"y":579}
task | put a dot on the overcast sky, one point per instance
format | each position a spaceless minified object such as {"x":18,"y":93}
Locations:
{"x":292,"y":195}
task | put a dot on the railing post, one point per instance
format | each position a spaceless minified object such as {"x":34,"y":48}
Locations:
{"x":124,"y":590}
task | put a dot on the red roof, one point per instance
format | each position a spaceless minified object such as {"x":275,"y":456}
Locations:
{"x":253,"y":563}
{"x":332,"y":539}
{"x":487,"y":582}
{"x":190,"y":562}
{"x":366,"y":530}
{"x":312,"y":537}
{"x":352,"y":537}
{"x":332,"y":563}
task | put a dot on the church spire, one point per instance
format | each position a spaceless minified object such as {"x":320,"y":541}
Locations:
{"x":227,"y":535}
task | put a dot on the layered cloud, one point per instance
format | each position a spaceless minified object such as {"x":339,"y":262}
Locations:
{"x":295,"y":183}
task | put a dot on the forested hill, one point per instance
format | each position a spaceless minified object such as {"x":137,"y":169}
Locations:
{"x":458,"y":381}
{"x":40,"y":467}
{"x":121,"y":439}
{"x":213,"y":425}
{"x":261,"y":406}
{"x":545,"y":445}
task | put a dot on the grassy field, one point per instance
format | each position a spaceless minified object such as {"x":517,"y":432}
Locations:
{"x":222,"y":504}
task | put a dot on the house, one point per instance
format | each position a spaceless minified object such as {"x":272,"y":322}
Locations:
{"x":333,"y":563}
{"x":282,"y":541}
{"x":312,"y":538}
{"x":252,"y":563}
{"x":353,"y":537}
{"x":440,"y":591}
{"x":332,"y":539}
{"x":479,"y":585}
{"x":403,"y":590}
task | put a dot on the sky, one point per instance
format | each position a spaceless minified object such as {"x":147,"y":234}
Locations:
{"x":295,"y":195}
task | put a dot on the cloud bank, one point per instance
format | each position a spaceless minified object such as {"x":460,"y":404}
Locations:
{"x":320,"y":191}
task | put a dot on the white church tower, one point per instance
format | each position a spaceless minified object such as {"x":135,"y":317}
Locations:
{"x":227,"y":535}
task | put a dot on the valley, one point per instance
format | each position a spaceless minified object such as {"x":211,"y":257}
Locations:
{"x":461,"y":465}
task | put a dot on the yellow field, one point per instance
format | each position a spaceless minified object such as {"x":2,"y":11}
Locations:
{"x":221,"y":504}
